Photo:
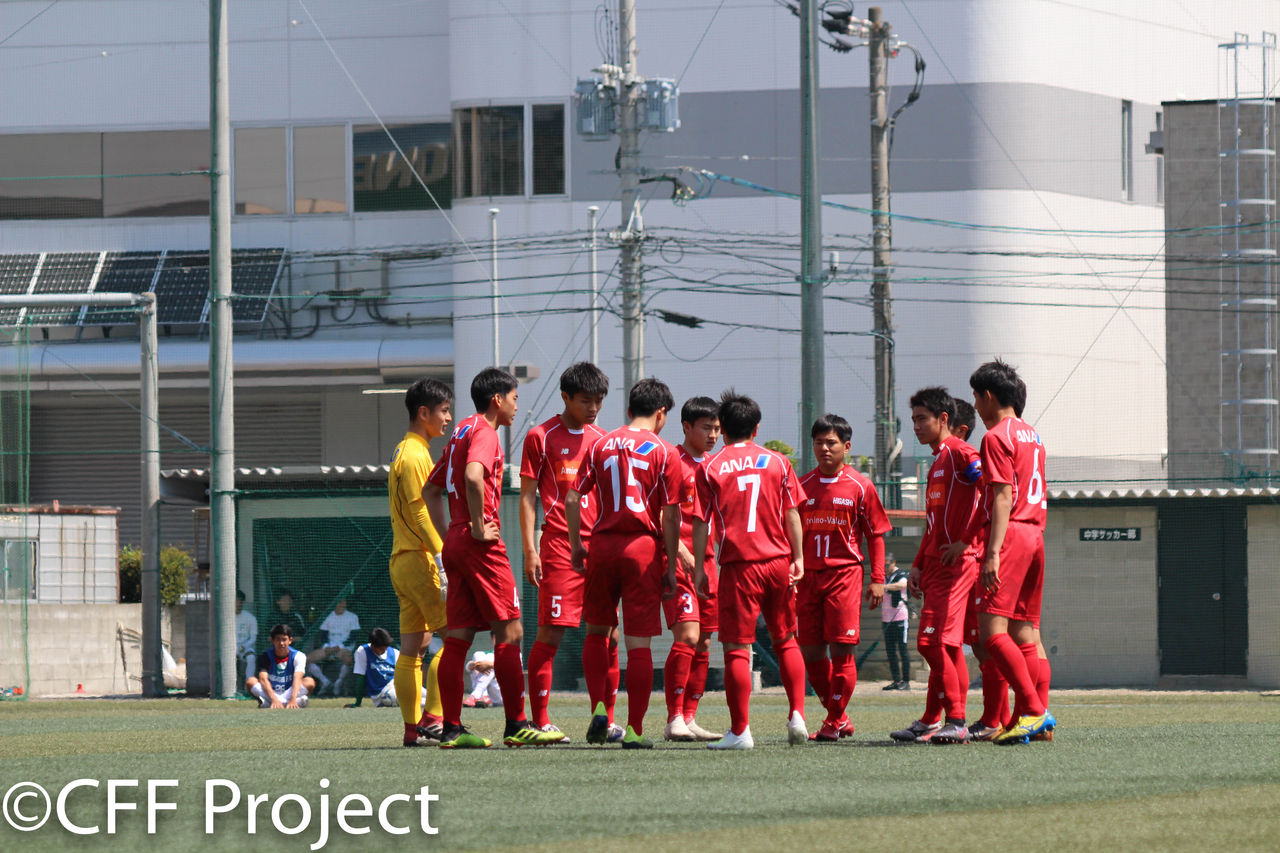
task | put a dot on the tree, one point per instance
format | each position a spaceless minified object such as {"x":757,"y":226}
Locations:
{"x":175,"y":566}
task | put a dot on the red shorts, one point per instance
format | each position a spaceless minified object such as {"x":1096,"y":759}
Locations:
{"x":749,"y":589}
{"x":827,"y":603}
{"x":560,"y":591}
{"x":482,"y":589}
{"x":946,"y":596}
{"x":687,"y":606}
{"x":1021,"y":575}
{"x":626,"y":568}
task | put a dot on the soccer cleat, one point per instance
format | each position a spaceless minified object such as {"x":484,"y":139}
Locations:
{"x":552,"y":727}
{"x":432,"y":730}
{"x":1046,"y":735}
{"x":598,"y":731}
{"x":631,"y":740}
{"x":846,"y":726}
{"x":522,"y":734}
{"x":917,"y":732}
{"x":616,"y":733}
{"x":797,"y":734}
{"x":677,"y":729}
{"x":982,"y":732}
{"x":904,"y":685}
{"x":420,"y":741}
{"x":892,"y":685}
{"x":1026,"y":728}
{"x":828,"y":733}
{"x":951,"y":733}
{"x":457,"y":737}
{"x":468,"y":701}
{"x":302,"y":701}
{"x":701,"y":734}
{"x":482,"y":702}
{"x":732,"y":741}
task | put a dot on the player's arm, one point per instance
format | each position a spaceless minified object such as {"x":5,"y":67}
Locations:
{"x":1001,"y":507}
{"x":529,"y":528}
{"x":481,"y":530}
{"x":795,"y":535}
{"x":413,"y":484}
{"x":671,"y":539}
{"x":699,"y":557}
{"x":299,"y":667}
{"x":433,"y":499}
{"x":573,"y":519}
{"x":358,"y":667}
{"x":875,"y":557}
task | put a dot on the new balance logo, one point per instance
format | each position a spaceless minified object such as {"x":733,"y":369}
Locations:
{"x":543,"y":692}
{"x":929,"y":630}
{"x":938,"y":473}
{"x":852,"y":632}
{"x":564,"y":451}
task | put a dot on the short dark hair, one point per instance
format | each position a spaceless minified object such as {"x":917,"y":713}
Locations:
{"x":379,"y":637}
{"x":1003,"y":382}
{"x":937,"y":400}
{"x":426,"y":392}
{"x":282,"y":592}
{"x":965,"y":417}
{"x":739,"y":416}
{"x":584,"y":378}
{"x":490,"y":381}
{"x":832,"y":423}
{"x":282,"y":630}
{"x":239,"y":595}
{"x":648,"y":396}
{"x":697,"y":408}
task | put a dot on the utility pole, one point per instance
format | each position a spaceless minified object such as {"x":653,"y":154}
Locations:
{"x":812,"y":280}
{"x":881,"y":245}
{"x":592,"y":211}
{"x":631,"y":235}
{"x":222,"y":478}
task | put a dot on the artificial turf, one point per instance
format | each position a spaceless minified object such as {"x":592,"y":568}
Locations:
{"x":1131,"y":770}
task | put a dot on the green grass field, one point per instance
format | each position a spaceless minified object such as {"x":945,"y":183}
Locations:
{"x":1128,"y":770}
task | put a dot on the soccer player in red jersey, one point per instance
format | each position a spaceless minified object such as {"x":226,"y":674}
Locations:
{"x":553,"y":453}
{"x":634,"y":478}
{"x":754,"y":496}
{"x":841,"y":507}
{"x":1012,"y":567}
{"x":945,"y":568}
{"x":482,"y":591}
{"x":691,"y":618}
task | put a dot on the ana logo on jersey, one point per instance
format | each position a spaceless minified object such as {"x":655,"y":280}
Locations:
{"x":1027,"y":436}
{"x":731,"y":465}
{"x":462,"y":430}
{"x":620,"y":443}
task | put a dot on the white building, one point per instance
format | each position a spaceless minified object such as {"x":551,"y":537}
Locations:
{"x":1032,"y":120}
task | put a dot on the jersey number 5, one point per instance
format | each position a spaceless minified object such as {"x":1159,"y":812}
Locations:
{"x":634,"y":503}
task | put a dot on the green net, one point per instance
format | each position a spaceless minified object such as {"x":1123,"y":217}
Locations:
{"x":17,"y":548}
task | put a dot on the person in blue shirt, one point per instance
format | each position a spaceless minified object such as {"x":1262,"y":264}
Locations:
{"x":281,"y":681}
{"x":376,"y":661}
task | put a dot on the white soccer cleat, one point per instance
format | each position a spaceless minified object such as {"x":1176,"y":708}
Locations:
{"x":699,"y":733}
{"x":677,"y":729}
{"x":797,"y":734}
{"x":732,"y":741}
{"x":302,"y":701}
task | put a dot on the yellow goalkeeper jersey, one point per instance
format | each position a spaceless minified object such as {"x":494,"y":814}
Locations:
{"x":410,"y":523}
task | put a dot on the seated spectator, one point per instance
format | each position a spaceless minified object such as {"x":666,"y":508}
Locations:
{"x":280,"y":682}
{"x":246,"y":636}
{"x":376,"y":661}
{"x":337,"y":642}
{"x":284,"y":614}
{"x":484,"y":687}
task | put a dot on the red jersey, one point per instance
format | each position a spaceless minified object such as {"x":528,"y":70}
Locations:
{"x":953,"y":490}
{"x":473,"y":440}
{"x":634,"y":474}
{"x":1012,"y":453}
{"x":689,"y":501}
{"x":746,"y":490}
{"x":553,"y":453}
{"x":838,"y":512}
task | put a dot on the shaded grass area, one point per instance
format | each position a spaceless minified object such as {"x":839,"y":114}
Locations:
{"x":1142,"y":771}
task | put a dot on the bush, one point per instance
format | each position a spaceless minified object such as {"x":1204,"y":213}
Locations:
{"x":175,"y":565}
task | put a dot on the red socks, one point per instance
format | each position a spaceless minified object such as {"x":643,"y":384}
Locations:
{"x":820,"y":670}
{"x":613,"y":678}
{"x":958,"y":685}
{"x":541,"y":658}
{"x":453,"y":658}
{"x":844,"y":679}
{"x":935,"y":694}
{"x":639,"y":686}
{"x":509,"y":674}
{"x":791,"y":668}
{"x":697,"y":683}
{"x":737,"y":688}
{"x":995,"y":695}
{"x":1042,"y":682}
{"x":595,"y":668}
{"x":1013,"y":666}
{"x":675,"y":677}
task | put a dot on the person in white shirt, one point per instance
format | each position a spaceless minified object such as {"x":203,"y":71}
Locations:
{"x":246,"y":636}
{"x":337,"y":644}
{"x":484,"y":687}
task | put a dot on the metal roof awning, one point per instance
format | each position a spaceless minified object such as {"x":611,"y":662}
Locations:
{"x":191,"y":485}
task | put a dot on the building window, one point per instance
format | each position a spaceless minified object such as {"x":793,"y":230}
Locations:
{"x":382,"y":179}
{"x":40,"y":155}
{"x":548,"y":149}
{"x":1126,"y":150}
{"x":18,"y":574}
{"x":488,"y":145}
{"x":261,"y":170}
{"x":1160,"y":159}
{"x":320,"y":169}
{"x":156,"y":158}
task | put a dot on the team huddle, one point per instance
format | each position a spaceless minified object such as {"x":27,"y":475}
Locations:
{"x":708,"y":541}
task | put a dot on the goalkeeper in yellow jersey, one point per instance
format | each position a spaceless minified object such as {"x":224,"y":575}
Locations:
{"x":417,"y":573}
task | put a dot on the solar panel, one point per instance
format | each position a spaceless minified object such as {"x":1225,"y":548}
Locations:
{"x":15,"y":277}
{"x":182,"y":290}
{"x":122,"y":272}
{"x":63,"y":273}
{"x":254,"y":273}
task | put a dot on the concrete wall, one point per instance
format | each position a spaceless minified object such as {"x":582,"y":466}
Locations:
{"x":1264,"y":596}
{"x":74,"y":644}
